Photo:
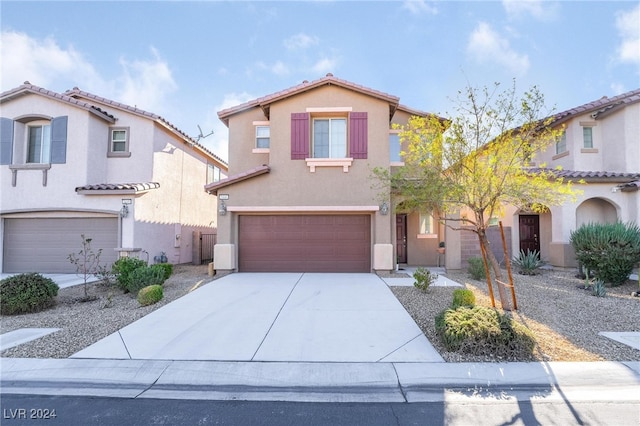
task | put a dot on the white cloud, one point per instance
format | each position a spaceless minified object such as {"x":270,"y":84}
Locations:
{"x":542,"y":10}
{"x":324,"y":66}
{"x":417,"y":7}
{"x":300,"y":41}
{"x":628,"y":26}
{"x":487,"y":46}
{"x":42,"y":62}
{"x":146,"y":84}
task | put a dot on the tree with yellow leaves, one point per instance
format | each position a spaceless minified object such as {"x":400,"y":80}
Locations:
{"x":478,"y":161}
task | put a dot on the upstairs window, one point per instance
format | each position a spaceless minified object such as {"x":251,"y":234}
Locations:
{"x":213,"y":173}
{"x":587,"y":137}
{"x":263,"y":137}
{"x":329,"y":138}
{"x":561,"y":145}
{"x":394,"y":148}
{"x":119,"y":142}
{"x":39,"y":143}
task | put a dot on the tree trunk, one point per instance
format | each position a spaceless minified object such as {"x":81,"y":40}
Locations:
{"x":504,"y":300}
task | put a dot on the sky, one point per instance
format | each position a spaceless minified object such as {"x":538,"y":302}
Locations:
{"x":187,"y":60}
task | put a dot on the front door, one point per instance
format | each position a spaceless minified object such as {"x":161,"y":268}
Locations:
{"x":401,"y":237}
{"x":530,"y":233}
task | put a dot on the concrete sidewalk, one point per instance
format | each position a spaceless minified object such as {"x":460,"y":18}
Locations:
{"x":324,"y":382}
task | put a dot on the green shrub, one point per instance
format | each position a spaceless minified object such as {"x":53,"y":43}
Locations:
{"x":423,"y":279}
{"x":123,"y":269}
{"x":143,"y":277}
{"x":528,"y":263}
{"x":150,"y":295}
{"x":485,"y":332}
{"x":608,"y":250}
{"x":167,"y":269}
{"x":476,"y":268}
{"x":26,"y":293}
{"x":463,"y":297}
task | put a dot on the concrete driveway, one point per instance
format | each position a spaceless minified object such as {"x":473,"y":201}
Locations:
{"x":276,"y":317}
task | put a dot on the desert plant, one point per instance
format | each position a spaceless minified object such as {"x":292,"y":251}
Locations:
{"x":26,"y":293}
{"x":86,"y":261}
{"x":423,"y":279}
{"x":150,"y":295}
{"x":599,"y":288}
{"x":167,"y":269}
{"x":463,"y":297}
{"x":123,"y":268}
{"x":143,"y":277}
{"x":484,"y":331}
{"x":476,"y":268}
{"x":528,"y":262}
{"x":608,"y":250}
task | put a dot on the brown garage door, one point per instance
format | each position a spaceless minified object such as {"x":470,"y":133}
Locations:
{"x":305,"y":243}
{"x":42,"y":245}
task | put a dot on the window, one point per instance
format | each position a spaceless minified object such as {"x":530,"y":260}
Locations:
{"x":561,"y":145}
{"x":119,"y":142}
{"x":426,"y":223}
{"x":587,"y":137}
{"x":329,"y":138}
{"x":263,"y":136}
{"x":213,"y":173}
{"x":394,"y":148}
{"x":39,"y":144}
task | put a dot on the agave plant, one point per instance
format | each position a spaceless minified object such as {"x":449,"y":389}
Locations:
{"x":528,"y":262}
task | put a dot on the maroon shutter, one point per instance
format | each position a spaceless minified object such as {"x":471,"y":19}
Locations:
{"x":358,"y":134}
{"x":299,"y":135}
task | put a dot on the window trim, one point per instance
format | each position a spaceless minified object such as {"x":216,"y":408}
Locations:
{"x":331,"y":118}
{"x":431,"y":233}
{"x":257,"y":149}
{"x":45,"y":145}
{"x":584,"y":139}
{"x":118,"y":154}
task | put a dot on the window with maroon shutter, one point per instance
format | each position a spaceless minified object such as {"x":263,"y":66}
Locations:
{"x":299,"y":135}
{"x":358,"y":135}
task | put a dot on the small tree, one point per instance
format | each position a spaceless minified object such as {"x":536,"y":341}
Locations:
{"x":478,"y":161}
{"x":86,"y":261}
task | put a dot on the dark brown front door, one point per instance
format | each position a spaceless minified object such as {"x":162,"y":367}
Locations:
{"x":304,"y":243}
{"x":401,"y":237}
{"x":530,"y":233}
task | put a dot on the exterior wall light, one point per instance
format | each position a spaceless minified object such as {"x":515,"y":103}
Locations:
{"x":384,"y":209}
{"x":222,"y":209}
{"x":124,"y":211}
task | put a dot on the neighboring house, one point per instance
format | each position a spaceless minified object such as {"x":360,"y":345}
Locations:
{"x":300,"y":194}
{"x":600,"y":153}
{"x":76,"y":163}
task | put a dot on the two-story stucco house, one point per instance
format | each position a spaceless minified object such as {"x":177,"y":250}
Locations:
{"x":300,"y":196}
{"x":599,"y":152}
{"x":75,"y":163}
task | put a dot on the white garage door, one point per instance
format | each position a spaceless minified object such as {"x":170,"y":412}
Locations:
{"x":42,"y":245}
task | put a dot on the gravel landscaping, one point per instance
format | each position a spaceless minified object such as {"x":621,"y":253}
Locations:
{"x":565,"y":318}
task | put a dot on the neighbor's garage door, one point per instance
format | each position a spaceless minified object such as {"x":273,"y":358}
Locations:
{"x":305,"y":243}
{"x":42,"y":245}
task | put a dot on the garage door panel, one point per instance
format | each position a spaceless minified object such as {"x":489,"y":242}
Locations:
{"x":42,"y":245}
{"x":305,"y":243}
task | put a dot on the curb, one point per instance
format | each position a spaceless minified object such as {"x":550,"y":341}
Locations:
{"x":321,"y":382}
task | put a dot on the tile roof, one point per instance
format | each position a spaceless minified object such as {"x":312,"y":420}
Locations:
{"x":630,"y":186}
{"x":265,"y":101}
{"x":77,"y":93}
{"x":599,"y":108}
{"x":133,"y":187}
{"x":591,"y":175}
{"x":213,"y":188}
{"x":28,"y":88}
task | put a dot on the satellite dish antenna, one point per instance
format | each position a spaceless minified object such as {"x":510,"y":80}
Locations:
{"x":202,"y":136}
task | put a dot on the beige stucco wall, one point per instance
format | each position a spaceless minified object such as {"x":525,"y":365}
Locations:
{"x":290,"y":183}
